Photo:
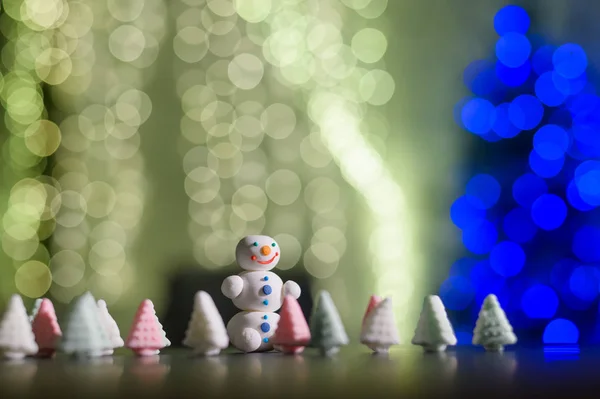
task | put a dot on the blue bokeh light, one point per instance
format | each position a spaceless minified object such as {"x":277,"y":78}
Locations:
{"x":457,"y":111}
{"x":541,"y":61}
{"x":507,"y":259}
{"x":587,"y":180}
{"x":527,"y":188}
{"x":462,"y":267}
{"x":502,"y":126}
{"x":485,"y":188}
{"x":513,"y":77}
{"x":586,"y":134}
{"x":583,"y":283}
{"x":466,"y":211}
{"x":480,"y":77}
{"x":577,"y":85}
{"x":457,"y":293}
{"x":518,"y":225}
{"x":588,"y":186}
{"x":513,"y":49}
{"x":511,"y":18}
{"x":480,"y":238}
{"x":552,"y":89}
{"x":514,"y":91}
{"x":491,"y":137}
{"x":478,"y":116}
{"x":570,"y":60}
{"x":586,"y":244}
{"x":575,"y":199}
{"x":561,"y":331}
{"x":545,"y":168}
{"x":579,"y":151}
{"x":551,"y":142}
{"x":539,"y":302}
{"x":583,"y":103}
{"x":549,"y":212}
{"x":472,"y":77}
{"x":525,"y":112}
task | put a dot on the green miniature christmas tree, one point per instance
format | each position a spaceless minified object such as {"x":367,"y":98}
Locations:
{"x":85,"y":334}
{"x":34,"y":310}
{"x":326,"y":328}
{"x":493,"y":330}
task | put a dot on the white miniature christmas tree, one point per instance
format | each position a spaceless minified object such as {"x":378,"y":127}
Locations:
{"x":84,"y":334}
{"x":434,"y":331}
{"x":34,"y":310}
{"x":206,"y":331}
{"x":111,"y":328}
{"x":493,"y":330}
{"x":379,"y":330}
{"x":16,"y":336}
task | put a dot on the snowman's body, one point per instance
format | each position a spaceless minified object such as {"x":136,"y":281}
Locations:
{"x":258,"y":293}
{"x":256,"y":321}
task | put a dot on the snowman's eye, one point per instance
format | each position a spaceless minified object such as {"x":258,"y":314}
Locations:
{"x":255,"y":244}
{"x":273,"y":244}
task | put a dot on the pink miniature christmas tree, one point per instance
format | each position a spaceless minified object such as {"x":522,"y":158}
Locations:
{"x":146,"y":337}
{"x":46,"y":329}
{"x":292,"y":333}
{"x":373,"y":301}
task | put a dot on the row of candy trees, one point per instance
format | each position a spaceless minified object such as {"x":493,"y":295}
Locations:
{"x":91,"y":331}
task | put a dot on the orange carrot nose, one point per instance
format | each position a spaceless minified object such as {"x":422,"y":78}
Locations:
{"x":265,"y":250}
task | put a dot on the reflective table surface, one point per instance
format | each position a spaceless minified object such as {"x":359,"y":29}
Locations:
{"x":405,"y":373}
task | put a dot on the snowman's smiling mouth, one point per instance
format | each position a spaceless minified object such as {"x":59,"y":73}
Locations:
{"x":266,"y":262}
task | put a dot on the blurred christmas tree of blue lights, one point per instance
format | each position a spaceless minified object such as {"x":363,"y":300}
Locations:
{"x":529,"y":216}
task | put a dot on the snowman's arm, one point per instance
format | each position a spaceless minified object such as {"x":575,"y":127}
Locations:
{"x":291,"y":288}
{"x":232,"y":286}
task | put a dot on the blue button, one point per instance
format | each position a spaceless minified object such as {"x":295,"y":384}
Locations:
{"x":265,"y":317}
{"x":265,"y":340}
{"x":266,"y":278}
{"x":267,"y":289}
{"x":265,"y":327}
{"x":265,"y":302}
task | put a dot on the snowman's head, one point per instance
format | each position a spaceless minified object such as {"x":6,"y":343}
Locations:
{"x":257,"y":253}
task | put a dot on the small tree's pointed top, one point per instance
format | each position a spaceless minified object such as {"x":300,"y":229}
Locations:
{"x":147,"y":303}
{"x":46,"y":306}
{"x":323,"y":300}
{"x":16,"y":300}
{"x":202,"y":297}
{"x":387,"y":301}
{"x":204,"y":302}
{"x":434,"y":301}
{"x":373,"y":301}
{"x":385,"y":304}
{"x":87,"y":295}
{"x":289,"y":302}
{"x":323,"y":295}
{"x":490,"y":301}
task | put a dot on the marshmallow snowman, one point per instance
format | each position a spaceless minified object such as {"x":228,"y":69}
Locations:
{"x":258,"y":292}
